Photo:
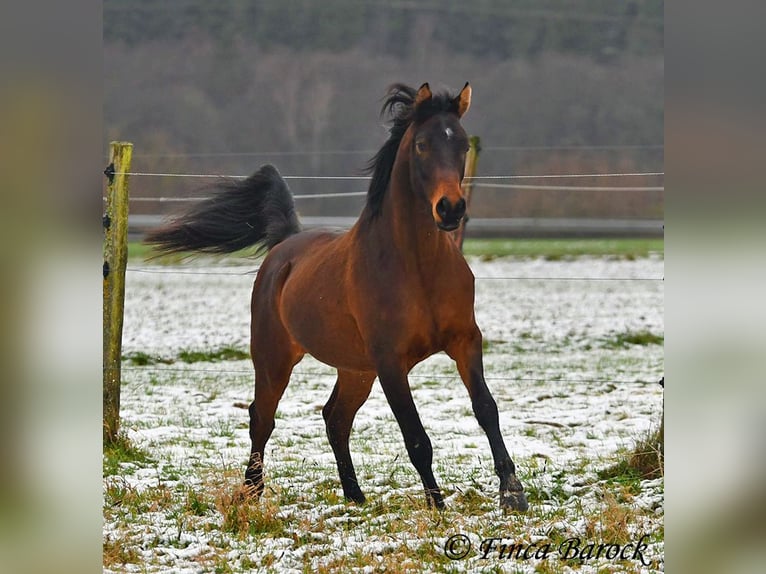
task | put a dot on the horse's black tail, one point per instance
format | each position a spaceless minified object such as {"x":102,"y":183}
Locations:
{"x":256,"y":211}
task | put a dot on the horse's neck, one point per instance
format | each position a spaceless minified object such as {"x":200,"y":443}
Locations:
{"x":410,"y":223}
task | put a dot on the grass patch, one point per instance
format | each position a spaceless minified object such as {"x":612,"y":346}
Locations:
{"x":628,"y":338}
{"x":197,"y":504}
{"x":646,"y":461}
{"x":244,"y":516}
{"x":117,"y":551}
{"x":141,"y":359}
{"x":558,"y":249}
{"x":222,"y":354}
{"x":611,"y":522}
{"x":121,"y":451}
{"x":490,"y":345}
{"x":131,"y":502}
{"x":622,"y":474}
{"x":189,"y":356}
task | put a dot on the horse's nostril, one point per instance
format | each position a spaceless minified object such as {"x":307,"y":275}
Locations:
{"x":459,"y":210}
{"x":442,"y":208}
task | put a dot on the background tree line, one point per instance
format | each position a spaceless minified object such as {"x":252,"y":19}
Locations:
{"x":221,"y":87}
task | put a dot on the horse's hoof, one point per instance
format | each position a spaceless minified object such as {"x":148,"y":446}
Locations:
{"x":434,"y":499}
{"x":355,"y":497}
{"x":514,"y":500}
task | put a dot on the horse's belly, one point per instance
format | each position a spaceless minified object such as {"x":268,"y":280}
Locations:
{"x":333,"y":342}
{"x":342,"y":359}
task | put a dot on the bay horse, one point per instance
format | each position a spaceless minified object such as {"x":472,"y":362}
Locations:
{"x":371,"y":302}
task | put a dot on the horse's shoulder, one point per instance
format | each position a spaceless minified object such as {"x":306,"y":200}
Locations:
{"x":460,"y":268}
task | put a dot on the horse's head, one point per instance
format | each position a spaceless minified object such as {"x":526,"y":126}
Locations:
{"x":437,"y":156}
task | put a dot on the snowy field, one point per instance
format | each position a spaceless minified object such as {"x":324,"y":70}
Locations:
{"x":567,"y":358}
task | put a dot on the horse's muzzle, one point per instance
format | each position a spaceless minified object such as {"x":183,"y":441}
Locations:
{"x":449,"y":215}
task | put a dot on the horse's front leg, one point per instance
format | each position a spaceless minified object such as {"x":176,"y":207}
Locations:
{"x":397,"y":391}
{"x":466,"y":352}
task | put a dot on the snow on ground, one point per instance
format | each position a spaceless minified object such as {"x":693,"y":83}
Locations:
{"x":570,"y":401}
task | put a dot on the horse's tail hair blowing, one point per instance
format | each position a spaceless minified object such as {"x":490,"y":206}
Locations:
{"x":258,"y":210}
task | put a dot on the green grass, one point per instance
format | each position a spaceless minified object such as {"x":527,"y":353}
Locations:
{"x":123,"y":451}
{"x":138,"y":250}
{"x":556,"y":249}
{"x":142,"y":359}
{"x":645,"y":461}
{"x":189,"y":356}
{"x":552,"y":249}
{"x":490,"y":345}
{"x":222,"y":354}
{"x":626,"y":339}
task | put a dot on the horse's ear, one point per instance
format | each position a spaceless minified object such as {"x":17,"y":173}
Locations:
{"x":463,"y":100}
{"x":424,"y":93}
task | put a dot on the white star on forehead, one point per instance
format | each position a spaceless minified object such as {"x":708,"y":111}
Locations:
{"x":448,"y":131}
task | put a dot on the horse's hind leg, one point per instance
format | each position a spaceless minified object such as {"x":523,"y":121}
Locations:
{"x":350,"y":392}
{"x":272,"y":373}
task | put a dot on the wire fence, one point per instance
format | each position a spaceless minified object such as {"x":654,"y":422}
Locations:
{"x":224,"y":370}
{"x":254,"y":272}
{"x":486,"y":181}
{"x":478,"y":183}
{"x":426,"y":376}
{"x":367,"y":177}
{"x":369,"y":152}
{"x":167,"y":365}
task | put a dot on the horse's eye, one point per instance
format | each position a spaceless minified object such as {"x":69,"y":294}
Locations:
{"x":420,"y":146}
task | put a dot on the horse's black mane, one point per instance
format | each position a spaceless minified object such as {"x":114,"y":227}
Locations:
{"x":400,"y":104}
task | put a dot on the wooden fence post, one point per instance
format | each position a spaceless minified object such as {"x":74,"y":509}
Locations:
{"x":115,"y":223}
{"x":471,"y":159}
